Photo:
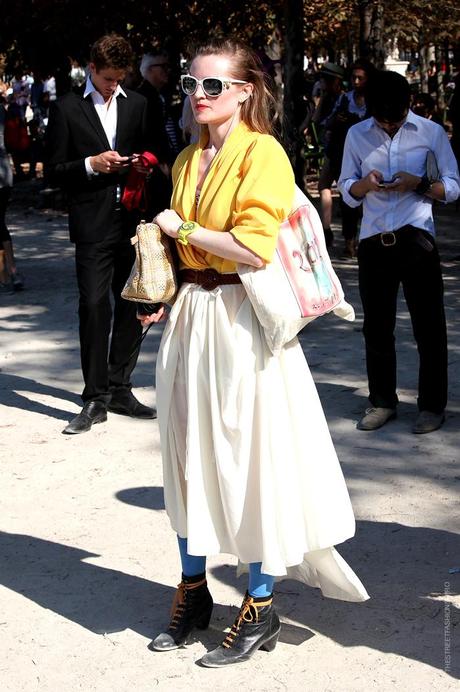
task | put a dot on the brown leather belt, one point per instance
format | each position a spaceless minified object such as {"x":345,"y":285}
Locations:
{"x":207,"y":278}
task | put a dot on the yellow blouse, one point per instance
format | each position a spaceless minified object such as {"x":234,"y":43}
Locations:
{"x":249,"y":191}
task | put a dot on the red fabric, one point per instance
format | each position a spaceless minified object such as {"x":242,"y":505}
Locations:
{"x":134,"y":192}
{"x":16,"y":136}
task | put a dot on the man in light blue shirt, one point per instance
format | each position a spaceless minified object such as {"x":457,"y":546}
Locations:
{"x":386,"y":168}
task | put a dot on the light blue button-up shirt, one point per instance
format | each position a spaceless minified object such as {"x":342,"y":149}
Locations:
{"x":368,"y":147}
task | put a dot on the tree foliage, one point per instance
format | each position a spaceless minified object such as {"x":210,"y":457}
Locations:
{"x":45,"y":31}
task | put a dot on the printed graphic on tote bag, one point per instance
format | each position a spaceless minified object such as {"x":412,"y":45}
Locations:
{"x":300,"y":253}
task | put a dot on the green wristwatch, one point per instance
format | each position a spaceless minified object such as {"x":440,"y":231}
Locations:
{"x":184,"y":231}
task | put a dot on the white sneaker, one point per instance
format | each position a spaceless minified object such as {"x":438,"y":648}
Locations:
{"x":376,"y":417}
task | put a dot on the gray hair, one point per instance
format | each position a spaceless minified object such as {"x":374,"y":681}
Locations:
{"x":149,"y":59}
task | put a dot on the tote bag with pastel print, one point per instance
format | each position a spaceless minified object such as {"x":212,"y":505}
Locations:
{"x":300,"y":284}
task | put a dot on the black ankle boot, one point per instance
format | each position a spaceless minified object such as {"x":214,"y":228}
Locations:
{"x":192,"y":607}
{"x":257,"y":626}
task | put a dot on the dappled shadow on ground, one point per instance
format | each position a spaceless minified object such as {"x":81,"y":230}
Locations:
{"x":14,"y":390}
{"x":45,"y":313}
{"x":47,"y":310}
{"x":405,"y":569}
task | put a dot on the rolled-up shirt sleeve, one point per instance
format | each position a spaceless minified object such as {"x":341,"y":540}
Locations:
{"x":351,"y":171}
{"x":448,"y":169}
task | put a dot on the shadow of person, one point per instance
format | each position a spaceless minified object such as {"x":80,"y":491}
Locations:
{"x":406,"y":572}
{"x":59,"y":578}
{"x":14,"y":389}
{"x":405,"y":569}
{"x":144,"y":496}
{"x":102,"y":600}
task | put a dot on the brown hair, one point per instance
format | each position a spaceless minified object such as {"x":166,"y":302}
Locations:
{"x":257,"y":111}
{"x":112,"y":51}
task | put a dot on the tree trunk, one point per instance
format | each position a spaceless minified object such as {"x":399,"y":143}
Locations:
{"x":365,"y":9}
{"x":293,"y":104}
{"x":371,"y":21}
{"x":423,"y":61}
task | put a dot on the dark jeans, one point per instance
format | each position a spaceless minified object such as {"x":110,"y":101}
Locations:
{"x":102,"y":267}
{"x":412,"y":261}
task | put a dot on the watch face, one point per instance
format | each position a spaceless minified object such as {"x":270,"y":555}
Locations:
{"x":188,"y":225}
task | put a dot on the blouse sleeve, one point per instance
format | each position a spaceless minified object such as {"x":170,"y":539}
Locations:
{"x":264,"y":198}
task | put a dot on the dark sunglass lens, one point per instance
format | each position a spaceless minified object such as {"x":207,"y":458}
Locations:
{"x":189,"y":85}
{"x":212,"y":86}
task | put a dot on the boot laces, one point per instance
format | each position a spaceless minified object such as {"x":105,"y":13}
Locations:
{"x":249,"y":612}
{"x":180,"y":601}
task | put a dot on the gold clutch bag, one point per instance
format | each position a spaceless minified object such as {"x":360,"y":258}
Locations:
{"x":153,"y":276}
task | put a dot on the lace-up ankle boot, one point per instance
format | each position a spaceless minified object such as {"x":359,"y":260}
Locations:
{"x":257,"y":626}
{"x":192,"y":607}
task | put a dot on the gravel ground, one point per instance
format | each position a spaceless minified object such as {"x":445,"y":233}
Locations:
{"x":88,"y":563}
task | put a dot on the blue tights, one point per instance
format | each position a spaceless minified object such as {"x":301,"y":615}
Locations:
{"x":260,"y":584}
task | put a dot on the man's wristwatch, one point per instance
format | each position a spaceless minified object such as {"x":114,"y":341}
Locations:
{"x":423,"y":186}
{"x":184,"y":231}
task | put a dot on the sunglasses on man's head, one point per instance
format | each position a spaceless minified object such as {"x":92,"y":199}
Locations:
{"x":212,"y":86}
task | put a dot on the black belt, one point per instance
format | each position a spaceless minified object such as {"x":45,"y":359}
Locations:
{"x":207,"y":278}
{"x":390,"y":238}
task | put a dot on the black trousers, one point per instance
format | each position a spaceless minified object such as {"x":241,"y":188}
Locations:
{"x":103,"y":267}
{"x":412,"y":261}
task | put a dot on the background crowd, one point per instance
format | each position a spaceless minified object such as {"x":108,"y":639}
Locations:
{"x":333,"y":98}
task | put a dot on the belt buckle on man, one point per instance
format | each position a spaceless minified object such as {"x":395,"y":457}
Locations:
{"x":388,"y":238}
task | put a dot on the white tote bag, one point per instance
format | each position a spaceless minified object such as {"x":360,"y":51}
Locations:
{"x":300,"y":283}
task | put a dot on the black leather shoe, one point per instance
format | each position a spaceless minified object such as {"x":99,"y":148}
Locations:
{"x":257,"y":626}
{"x":192,"y":607}
{"x":125,"y":403}
{"x":92,"y":412}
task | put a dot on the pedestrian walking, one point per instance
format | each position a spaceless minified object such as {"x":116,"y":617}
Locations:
{"x":90,"y":138}
{"x":384,"y":168}
{"x":164,"y":130}
{"x":349,"y":110}
{"x":10,"y":279}
{"x":249,"y":465}
{"x":331,"y":80}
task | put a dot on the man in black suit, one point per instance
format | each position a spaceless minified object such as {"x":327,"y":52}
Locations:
{"x":91,"y":139}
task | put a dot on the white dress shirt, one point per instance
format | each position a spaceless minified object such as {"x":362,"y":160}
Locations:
{"x":107,"y":112}
{"x":368,"y":147}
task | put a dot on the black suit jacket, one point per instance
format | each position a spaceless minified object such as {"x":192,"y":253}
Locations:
{"x":75,"y":132}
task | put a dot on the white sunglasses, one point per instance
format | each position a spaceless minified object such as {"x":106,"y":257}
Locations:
{"x":212,"y":86}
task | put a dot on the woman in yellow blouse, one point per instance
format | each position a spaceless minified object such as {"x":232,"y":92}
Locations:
{"x":249,"y":466}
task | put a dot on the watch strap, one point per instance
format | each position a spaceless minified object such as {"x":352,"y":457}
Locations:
{"x":184,"y":230}
{"x":423,"y":186}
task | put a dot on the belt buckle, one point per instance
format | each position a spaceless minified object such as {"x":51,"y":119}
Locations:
{"x":211,"y":279}
{"x":391,"y":236}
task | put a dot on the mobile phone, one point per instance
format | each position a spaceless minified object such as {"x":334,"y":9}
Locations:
{"x":384,"y":183}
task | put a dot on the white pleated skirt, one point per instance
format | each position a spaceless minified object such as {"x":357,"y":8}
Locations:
{"x":249,"y":465}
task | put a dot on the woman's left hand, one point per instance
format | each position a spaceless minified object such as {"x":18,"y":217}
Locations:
{"x":155,"y":317}
{"x":169,"y":221}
